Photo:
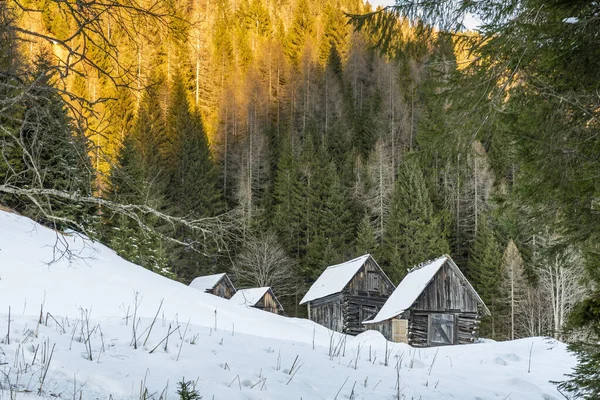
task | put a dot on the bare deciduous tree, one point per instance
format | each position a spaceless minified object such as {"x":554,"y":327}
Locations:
{"x":263,"y":262}
{"x":533,"y":319}
{"x":514,"y":284}
{"x":381,"y":173}
{"x":560,"y":282}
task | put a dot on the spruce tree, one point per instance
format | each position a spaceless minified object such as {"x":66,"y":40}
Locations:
{"x":366,"y":240}
{"x":584,"y":381}
{"x":138,"y":177}
{"x":484,"y":265}
{"x":413,"y":233}
{"x":330,"y":221}
{"x":10,"y":62}
{"x":285,"y":215}
{"x":302,"y":27}
{"x":192,"y":189}
{"x":334,"y":32}
{"x":53,"y":154}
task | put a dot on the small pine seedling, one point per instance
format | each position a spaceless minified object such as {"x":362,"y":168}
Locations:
{"x":187,"y":391}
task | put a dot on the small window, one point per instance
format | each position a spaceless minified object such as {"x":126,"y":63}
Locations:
{"x":373,"y":281}
{"x":441,"y":329}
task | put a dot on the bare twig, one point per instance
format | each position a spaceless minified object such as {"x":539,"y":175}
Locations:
{"x":530,"y":351}
{"x":182,"y":339}
{"x":433,"y":362}
{"x":165,"y":338}
{"x":45,"y":371}
{"x":341,"y":387}
{"x":154,"y":320}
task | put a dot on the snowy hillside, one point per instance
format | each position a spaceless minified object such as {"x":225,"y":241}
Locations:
{"x":84,"y":347}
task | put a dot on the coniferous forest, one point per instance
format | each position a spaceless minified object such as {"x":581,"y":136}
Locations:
{"x":273,"y":138}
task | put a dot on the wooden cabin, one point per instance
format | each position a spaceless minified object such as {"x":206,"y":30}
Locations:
{"x":347,"y":294}
{"x":262,"y":298}
{"x":434,"y":305}
{"x":217,"y":284}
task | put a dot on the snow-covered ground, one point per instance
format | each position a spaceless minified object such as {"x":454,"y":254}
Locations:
{"x":86,"y":302}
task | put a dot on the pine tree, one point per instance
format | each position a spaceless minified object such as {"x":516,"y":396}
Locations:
{"x":187,"y":390}
{"x":413,"y":233}
{"x":337,"y":218}
{"x":584,"y":381}
{"x":10,"y":62}
{"x":255,"y":17}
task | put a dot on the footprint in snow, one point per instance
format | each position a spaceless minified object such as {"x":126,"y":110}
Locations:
{"x":500,"y":361}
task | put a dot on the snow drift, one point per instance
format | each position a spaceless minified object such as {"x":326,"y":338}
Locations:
{"x":70,"y":334}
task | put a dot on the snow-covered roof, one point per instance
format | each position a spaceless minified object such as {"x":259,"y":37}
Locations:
{"x":206,"y":283}
{"x":413,"y":285}
{"x":249,"y":297}
{"x":334,"y":279}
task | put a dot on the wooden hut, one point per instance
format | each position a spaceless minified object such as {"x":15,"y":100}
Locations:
{"x":262,"y":298}
{"x":217,"y":284}
{"x":434,"y":305}
{"x":347,"y":294}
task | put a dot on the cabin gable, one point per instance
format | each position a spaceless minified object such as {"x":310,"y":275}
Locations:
{"x":370,"y":280}
{"x":447,"y":291}
{"x":216,"y":284}
{"x":268,"y":302}
{"x":224,"y":288}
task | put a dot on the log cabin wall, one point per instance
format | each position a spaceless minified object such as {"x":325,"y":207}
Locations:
{"x":468,"y":327}
{"x":360,"y":308}
{"x":224,"y":288}
{"x":329,"y":311}
{"x":418,"y":329}
{"x":385,"y":328}
{"x":465,"y":331}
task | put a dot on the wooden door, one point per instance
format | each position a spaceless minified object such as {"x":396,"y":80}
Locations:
{"x":400,"y":330}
